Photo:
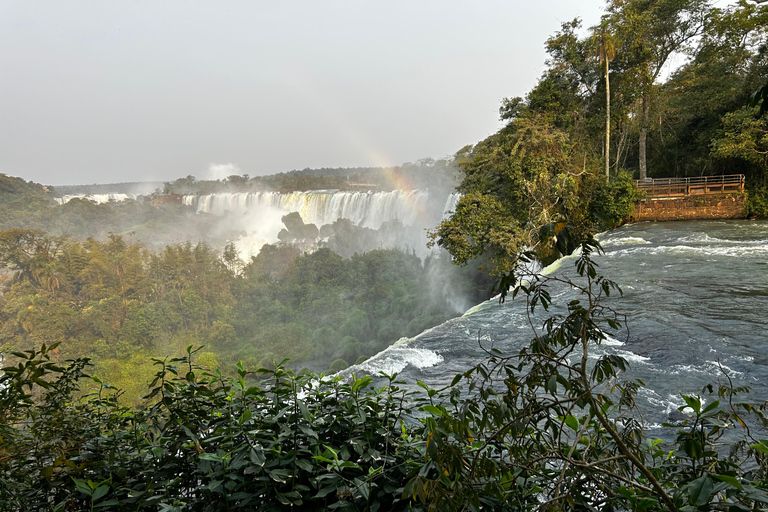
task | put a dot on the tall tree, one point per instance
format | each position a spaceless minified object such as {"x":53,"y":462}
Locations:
{"x":650,"y":32}
{"x":606,"y":52}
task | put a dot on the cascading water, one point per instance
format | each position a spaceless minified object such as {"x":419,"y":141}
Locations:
{"x":695,"y":296}
{"x":259,"y":213}
{"x":450,"y":204}
{"x":96,"y":198}
{"x":366,"y":209}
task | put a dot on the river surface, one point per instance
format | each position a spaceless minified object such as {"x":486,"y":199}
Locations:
{"x":695,"y":296}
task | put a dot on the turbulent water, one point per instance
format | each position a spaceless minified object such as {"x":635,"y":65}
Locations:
{"x":696,"y":300}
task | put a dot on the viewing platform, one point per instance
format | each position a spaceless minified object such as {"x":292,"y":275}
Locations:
{"x":699,"y":198}
{"x":682,"y":187}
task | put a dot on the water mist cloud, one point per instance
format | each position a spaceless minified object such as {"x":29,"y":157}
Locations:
{"x":221,"y":171}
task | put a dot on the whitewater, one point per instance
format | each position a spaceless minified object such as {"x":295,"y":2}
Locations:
{"x":695,"y":296}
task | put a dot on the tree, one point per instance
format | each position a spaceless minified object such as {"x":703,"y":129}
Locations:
{"x":23,"y":249}
{"x":760,"y":97}
{"x":606,"y":52}
{"x":649,"y":33}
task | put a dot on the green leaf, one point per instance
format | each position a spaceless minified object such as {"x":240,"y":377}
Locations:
{"x":713,"y":405}
{"x":693,"y":402}
{"x":552,"y":384}
{"x":108,"y":503}
{"x":700,"y":491}
{"x":693,"y":448}
{"x":257,"y":457}
{"x":82,"y":486}
{"x":435,"y":411}
{"x":729,"y":480}
{"x":245,"y":417}
{"x":760,"y":447}
{"x":572,"y":422}
{"x":99,"y":492}
{"x":325,"y":491}
{"x":308,"y":431}
{"x":305,"y":465}
{"x":279,"y":475}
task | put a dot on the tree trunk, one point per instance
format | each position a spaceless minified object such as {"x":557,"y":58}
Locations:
{"x":619,"y":149}
{"x":607,"y":123}
{"x":643,"y":135}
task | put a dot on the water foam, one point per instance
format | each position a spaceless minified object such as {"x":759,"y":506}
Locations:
{"x":396,"y":358}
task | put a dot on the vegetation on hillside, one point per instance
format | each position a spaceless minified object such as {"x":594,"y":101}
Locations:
{"x":119,"y":303}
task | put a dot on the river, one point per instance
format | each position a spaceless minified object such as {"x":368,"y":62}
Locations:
{"x":695,"y":296}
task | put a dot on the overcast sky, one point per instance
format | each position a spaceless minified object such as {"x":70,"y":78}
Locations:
{"x":97,"y":92}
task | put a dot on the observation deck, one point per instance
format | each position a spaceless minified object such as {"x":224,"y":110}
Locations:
{"x":700,"y":198}
{"x":657,"y":188}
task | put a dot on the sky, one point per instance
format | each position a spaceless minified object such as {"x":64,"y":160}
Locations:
{"x":106,"y":92}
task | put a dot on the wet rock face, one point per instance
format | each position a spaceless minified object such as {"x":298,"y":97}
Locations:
{"x":676,"y":417}
{"x":691,"y":208}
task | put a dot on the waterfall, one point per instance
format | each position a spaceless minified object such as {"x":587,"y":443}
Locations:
{"x":320,"y":207}
{"x":96,"y":198}
{"x":259,"y":214}
{"x":450,"y":205}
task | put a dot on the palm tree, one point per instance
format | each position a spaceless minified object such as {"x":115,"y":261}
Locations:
{"x":607,"y":52}
{"x":47,"y":276}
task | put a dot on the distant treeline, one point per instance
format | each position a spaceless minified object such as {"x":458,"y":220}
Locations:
{"x":425,"y":173}
{"x":130,"y":187}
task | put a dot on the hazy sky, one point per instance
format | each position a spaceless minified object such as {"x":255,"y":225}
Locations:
{"x":95,"y":91}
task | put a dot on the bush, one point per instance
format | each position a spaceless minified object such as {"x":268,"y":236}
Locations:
{"x":338,"y":365}
{"x":613,"y":203}
{"x":757,"y":202}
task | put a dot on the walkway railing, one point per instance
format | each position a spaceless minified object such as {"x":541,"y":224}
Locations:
{"x":680,"y":187}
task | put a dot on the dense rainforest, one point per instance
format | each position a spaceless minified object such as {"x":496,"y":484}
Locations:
{"x":550,"y":428}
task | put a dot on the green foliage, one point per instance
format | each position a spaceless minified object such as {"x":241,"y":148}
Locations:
{"x":549,"y":428}
{"x":760,"y":98}
{"x":757,"y":202}
{"x":613,"y":203}
{"x":338,"y":365}
{"x":119,"y":304}
{"x":530,"y":174}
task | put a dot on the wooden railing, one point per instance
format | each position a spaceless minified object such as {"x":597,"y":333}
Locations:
{"x":680,"y":187}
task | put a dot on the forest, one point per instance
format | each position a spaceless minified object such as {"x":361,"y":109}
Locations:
{"x":147,"y":373}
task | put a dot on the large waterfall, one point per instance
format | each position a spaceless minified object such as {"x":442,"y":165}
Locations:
{"x":259,"y":214}
{"x":366,"y":209}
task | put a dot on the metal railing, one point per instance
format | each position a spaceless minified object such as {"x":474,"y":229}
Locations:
{"x":681,"y":187}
